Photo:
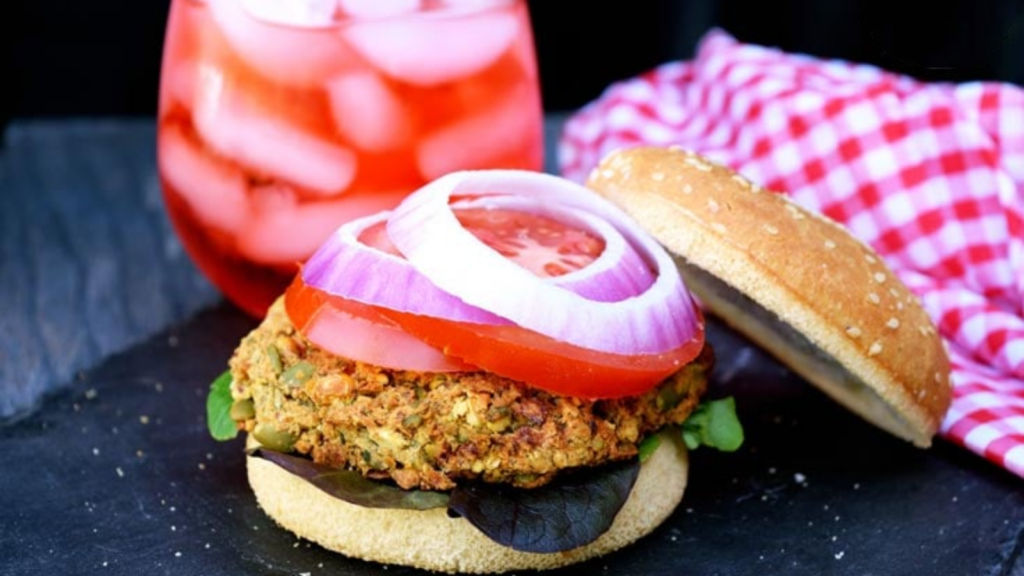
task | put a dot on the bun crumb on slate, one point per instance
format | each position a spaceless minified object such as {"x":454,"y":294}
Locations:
{"x":796,"y":283}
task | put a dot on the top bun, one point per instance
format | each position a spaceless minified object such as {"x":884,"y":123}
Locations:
{"x":794,"y":282}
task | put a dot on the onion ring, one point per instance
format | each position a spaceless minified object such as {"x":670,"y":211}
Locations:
{"x":426,"y":231}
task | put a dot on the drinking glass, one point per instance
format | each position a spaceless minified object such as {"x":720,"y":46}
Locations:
{"x":281,"y":119}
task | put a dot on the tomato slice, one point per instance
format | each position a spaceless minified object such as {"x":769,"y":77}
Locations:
{"x":540,"y":244}
{"x":332,"y":322}
{"x":357,"y":331}
{"x":547,"y":363}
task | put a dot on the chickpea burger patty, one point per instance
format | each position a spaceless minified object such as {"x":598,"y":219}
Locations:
{"x":429,"y":430}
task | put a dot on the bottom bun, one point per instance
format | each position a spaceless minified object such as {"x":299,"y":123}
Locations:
{"x":432,"y":540}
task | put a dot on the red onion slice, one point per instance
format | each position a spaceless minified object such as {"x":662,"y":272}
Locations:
{"x":346,"y":267}
{"x":424,"y":228}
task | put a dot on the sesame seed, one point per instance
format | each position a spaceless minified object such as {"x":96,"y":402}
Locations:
{"x":741,"y":180}
{"x":875,"y":349}
{"x":658,"y":176}
{"x":830,"y":244}
{"x":120,"y":473}
{"x":608,"y":173}
{"x":771,"y":229}
{"x":874,"y":298}
{"x":871,"y":259}
{"x":755,"y":188}
{"x":853,"y":332}
{"x":714,"y":206}
{"x":899,"y":305}
{"x":923,"y":330}
{"x":698,"y":164}
{"x":794,"y":212}
{"x":879,"y":277}
{"x":893,"y":323}
{"x":718,"y":227}
{"x":687,"y":189}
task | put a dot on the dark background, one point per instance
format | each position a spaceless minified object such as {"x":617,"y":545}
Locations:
{"x":101,"y":57}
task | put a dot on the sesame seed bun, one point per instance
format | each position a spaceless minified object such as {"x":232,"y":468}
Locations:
{"x":794,"y":282}
{"x":432,"y":540}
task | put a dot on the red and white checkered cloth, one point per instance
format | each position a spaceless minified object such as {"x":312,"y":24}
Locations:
{"x":931,"y":175}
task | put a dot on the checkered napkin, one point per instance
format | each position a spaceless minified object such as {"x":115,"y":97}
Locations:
{"x":931,"y":175}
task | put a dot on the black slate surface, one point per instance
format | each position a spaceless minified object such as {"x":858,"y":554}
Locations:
{"x":117,"y":476}
{"x":88,"y":262}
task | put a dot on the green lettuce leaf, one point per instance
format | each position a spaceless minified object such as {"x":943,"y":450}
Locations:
{"x":714,"y":424}
{"x":648,"y":447}
{"x":218,"y":409}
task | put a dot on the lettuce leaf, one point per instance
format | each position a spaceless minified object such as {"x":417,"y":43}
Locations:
{"x":573,"y":510}
{"x":218,"y":409}
{"x":714,"y":424}
{"x":648,"y":447}
{"x":351,"y":486}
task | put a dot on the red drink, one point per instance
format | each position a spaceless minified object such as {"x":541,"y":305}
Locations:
{"x":277,"y":126}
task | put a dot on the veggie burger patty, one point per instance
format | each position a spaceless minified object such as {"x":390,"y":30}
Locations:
{"x":428,"y":429}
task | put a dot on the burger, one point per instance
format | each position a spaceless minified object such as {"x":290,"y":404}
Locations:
{"x":508,"y":370}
